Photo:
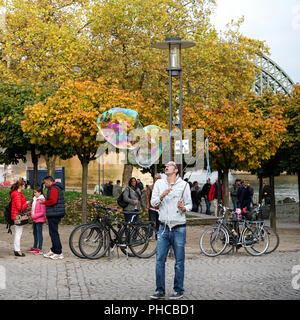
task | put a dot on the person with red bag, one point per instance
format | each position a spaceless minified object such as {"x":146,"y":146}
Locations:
{"x":18,"y":202}
{"x":213,"y":195}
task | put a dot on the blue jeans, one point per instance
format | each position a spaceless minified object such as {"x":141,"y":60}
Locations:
{"x":235,"y":204}
{"x":38,"y":235}
{"x":207,"y":206}
{"x":165,"y":239}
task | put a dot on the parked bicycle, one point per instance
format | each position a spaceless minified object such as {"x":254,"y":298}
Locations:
{"x":234,"y":233}
{"x":133,"y":238}
{"x":75,"y":234}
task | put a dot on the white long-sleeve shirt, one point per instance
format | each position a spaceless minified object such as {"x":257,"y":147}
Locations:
{"x":168,"y":210}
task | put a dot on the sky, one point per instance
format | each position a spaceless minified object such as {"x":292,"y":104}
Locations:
{"x":275,"y":21}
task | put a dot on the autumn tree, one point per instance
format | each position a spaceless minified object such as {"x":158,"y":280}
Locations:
{"x":14,"y":97}
{"x":290,"y":149}
{"x":41,"y":40}
{"x":70,"y":119}
{"x":238,"y":138}
{"x":268,"y":103}
{"x":56,"y":40}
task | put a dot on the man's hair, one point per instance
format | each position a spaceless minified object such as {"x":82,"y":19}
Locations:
{"x":49,"y":178}
{"x":118,"y":181}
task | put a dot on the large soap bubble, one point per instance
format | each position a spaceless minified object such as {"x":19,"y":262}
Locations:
{"x":116,"y":124}
{"x":144,"y":156}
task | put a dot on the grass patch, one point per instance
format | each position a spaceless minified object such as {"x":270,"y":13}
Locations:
{"x":73,"y":204}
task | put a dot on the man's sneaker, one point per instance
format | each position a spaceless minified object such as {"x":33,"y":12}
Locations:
{"x":56,"y":256}
{"x":157,"y":296}
{"x":48,"y":255}
{"x":176,"y":296}
{"x":31,"y":250}
{"x":38,"y":251}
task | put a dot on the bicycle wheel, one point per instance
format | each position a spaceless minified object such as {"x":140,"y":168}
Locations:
{"x":273,"y":239}
{"x":143,"y":241}
{"x":94,"y":241}
{"x":74,"y":240}
{"x":255,"y":241}
{"x":125,"y":236}
{"x":213,"y":241}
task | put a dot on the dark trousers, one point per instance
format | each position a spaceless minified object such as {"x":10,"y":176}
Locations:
{"x":153,"y":216}
{"x":129,"y":217}
{"x":54,"y":235}
{"x":246,"y":204}
{"x":207,"y":203}
{"x":38,"y":235}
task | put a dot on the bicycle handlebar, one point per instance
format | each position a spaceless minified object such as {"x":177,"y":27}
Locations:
{"x":99,"y":206}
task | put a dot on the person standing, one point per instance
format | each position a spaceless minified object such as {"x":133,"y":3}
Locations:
{"x":133,"y":196}
{"x":140,"y":184}
{"x":38,"y":214}
{"x":251,"y":190}
{"x":18,"y":202}
{"x":205,"y":193}
{"x":55,"y":210}
{"x":244,"y":195}
{"x":234,"y":193}
{"x":173,"y":196}
{"x":195,"y":196}
{"x":117,"y":189}
{"x":266,"y":193}
{"x":153,"y":211}
{"x":213,"y":195}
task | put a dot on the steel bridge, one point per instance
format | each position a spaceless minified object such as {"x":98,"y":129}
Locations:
{"x":271,"y":76}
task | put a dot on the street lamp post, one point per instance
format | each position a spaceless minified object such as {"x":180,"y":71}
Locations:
{"x":174,"y":45}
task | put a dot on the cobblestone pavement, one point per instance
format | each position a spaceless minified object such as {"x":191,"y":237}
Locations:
{"x":235,"y":276}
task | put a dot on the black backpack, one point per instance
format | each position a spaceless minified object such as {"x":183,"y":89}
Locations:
{"x":7,"y":216}
{"x":123,"y":204}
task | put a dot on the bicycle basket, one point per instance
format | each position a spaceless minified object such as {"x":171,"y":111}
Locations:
{"x":264,"y":212}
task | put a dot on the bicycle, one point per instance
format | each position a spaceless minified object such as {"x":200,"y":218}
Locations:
{"x":262,"y":213}
{"x":234,"y":233}
{"x":97,"y":238}
{"x":74,"y":236}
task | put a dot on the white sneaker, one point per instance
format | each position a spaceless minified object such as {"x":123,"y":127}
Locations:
{"x":48,"y":255}
{"x":55,"y":256}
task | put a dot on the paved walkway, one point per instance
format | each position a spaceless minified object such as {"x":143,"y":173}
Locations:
{"x":234,"y":276}
{"x":237,"y":276}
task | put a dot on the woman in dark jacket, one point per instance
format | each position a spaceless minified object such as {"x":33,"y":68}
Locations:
{"x":133,"y":196}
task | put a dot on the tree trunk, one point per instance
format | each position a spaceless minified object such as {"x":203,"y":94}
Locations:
{"x":35,"y":162}
{"x":226,"y":188}
{"x":50,"y":162}
{"x":127,"y":174}
{"x":260,"y":188}
{"x":273,"y":207}
{"x":85,"y":165}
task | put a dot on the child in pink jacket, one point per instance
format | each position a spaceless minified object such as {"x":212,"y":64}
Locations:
{"x":38,"y":214}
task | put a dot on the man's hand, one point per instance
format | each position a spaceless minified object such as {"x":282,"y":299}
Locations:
{"x":165,"y":193}
{"x":181,"y":206}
